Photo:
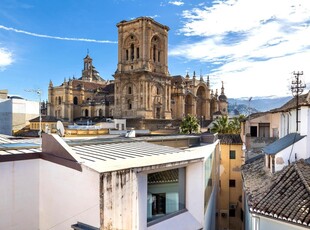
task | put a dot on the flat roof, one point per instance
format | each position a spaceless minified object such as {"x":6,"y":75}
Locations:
{"x":10,"y":145}
{"x":105,"y":153}
{"x":119,"y":156}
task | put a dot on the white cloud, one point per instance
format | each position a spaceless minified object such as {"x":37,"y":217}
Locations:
{"x":6,"y":58}
{"x":176,"y":3}
{"x":257,"y":43}
{"x":55,"y":37}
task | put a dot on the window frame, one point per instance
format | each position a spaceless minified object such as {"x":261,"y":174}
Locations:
{"x":232,"y":154}
{"x":232,"y":183}
{"x":164,"y":189}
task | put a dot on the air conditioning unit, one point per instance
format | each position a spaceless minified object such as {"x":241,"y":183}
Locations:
{"x":224,"y":213}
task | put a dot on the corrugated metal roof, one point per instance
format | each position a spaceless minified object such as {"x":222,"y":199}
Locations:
{"x":117,"y":151}
{"x":282,"y":143}
{"x":125,"y":155}
{"x":11,"y":146}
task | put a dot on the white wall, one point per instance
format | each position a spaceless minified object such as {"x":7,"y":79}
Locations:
{"x":6,"y":117}
{"x":259,"y":222}
{"x":19,"y":195}
{"x":23,"y":111}
{"x":282,"y":157}
{"x":195,"y":190}
{"x":68,"y":196}
{"x":288,"y":121}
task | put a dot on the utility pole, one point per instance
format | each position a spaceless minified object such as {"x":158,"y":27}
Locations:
{"x":297,"y":88}
{"x":39,"y":93}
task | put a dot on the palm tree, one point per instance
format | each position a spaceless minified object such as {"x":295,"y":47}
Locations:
{"x":235,"y":127}
{"x":221,"y":125}
{"x":189,"y":125}
{"x":224,"y":126}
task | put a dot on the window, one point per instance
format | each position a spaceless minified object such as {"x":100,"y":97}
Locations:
{"x":138,"y":53}
{"x":132,"y":52}
{"x":165,"y":193}
{"x":264,"y":129}
{"x":129,"y":104}
{"x":154,"y":53}
{"x":158,"y":56}
{"x":129,"y":90}
{"x":75,"y":100}
{"x":232,"y":154}
{"x":158,"y":204}
{"x":232,"y":183}
{"x":253,"y":131}
{"x":232,"y":212}
{"x":127,"y":55}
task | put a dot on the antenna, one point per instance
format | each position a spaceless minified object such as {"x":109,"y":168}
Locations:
{"x":60,"y":129}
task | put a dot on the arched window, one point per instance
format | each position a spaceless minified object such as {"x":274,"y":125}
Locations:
{"x":86,"y":112}
{"x":75,"y":100}
{"x":129,"y":90}
{"x":59,"y":100}
{"x":100,"y":113}
{"x":154,"y":53}
{"x":138,"y":53}
{"x":132,"y":51}
{"x":127,"y":56}
{"x":157,"y":90}
{"x":129,"y":104}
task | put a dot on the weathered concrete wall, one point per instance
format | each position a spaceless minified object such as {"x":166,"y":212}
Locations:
{"x":6,"y":117}
{"x":118,"y":192}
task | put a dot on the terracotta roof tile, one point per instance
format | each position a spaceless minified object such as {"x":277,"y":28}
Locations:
{"x":230,"y":138}
{"x":284,"y":195}
{"x":291,"y":104}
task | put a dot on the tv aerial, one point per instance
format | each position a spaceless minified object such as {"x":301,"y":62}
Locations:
{"x":60,"y":129}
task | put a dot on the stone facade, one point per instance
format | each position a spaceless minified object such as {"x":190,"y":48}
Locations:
{"x":88,"y":96}
{"x":142,"y":89}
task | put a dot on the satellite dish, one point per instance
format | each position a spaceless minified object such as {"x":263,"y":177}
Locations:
{"x":131,"y":133}
{"x":60,"y":129}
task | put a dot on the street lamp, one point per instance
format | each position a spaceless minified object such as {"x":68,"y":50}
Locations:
{"x":39,"y":93}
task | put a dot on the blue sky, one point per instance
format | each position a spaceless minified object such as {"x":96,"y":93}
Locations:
{"x":251,"y":45}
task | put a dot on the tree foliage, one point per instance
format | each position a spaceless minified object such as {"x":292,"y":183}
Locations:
{"x":189,"y":125}
{"x":223,"y":125}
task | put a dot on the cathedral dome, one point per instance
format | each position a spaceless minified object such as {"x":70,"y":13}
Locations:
{"x":222,"y":97}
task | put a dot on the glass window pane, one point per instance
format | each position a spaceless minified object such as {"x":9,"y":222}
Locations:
{"x":165,"y":193}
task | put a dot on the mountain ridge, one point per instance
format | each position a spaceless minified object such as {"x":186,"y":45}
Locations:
{"x":256,"y":104}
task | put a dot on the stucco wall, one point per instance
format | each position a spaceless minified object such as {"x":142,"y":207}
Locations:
{"x":6,"y":117}
{"x":23,"y":111}
{"x":68,"y":196}
{"x":19,"y":192}
{"x":258,"y":222}
{"x":281,"y":158}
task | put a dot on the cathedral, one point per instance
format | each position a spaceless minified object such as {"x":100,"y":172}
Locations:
{"x":142,"y":89}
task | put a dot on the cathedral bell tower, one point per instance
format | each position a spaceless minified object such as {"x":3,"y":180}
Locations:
{"x":142,"y":81}
{"x":87,"y":71}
